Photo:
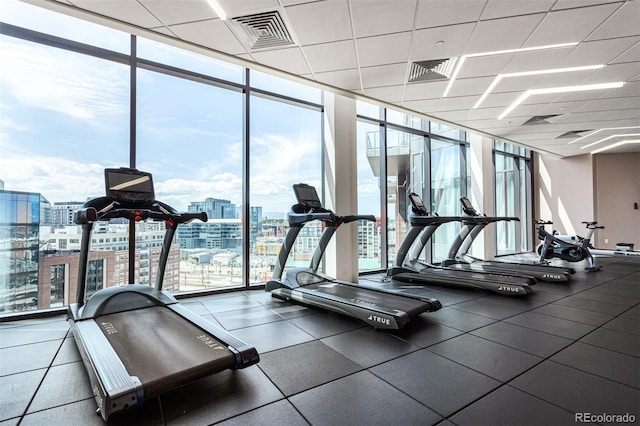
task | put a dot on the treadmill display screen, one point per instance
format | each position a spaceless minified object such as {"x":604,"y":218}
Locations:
{"x":307,"y":195}
{"x":467,"y":206}
{"x":129,"y":185}
{"x":416,"y":202}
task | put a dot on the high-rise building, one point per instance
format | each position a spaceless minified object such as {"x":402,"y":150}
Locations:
{"x":215,"y":208}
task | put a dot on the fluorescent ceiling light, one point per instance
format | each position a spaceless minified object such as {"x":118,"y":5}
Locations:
{"x":609,"y":137}
{"x":499,"y":77}
{"x":565,"y":89}
{"x":615,"y":145}
{"x":217,"y":9}
{"x":603,"y":129}
{"x":499,"y":52}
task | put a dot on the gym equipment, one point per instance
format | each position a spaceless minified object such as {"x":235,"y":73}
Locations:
{"x":408,"y":267}
{"x":553,"y":247}
{"x":380,"y":308}
{"x":565,"y":253}
{"x":136,"y":341}
{"x":473,"y":224}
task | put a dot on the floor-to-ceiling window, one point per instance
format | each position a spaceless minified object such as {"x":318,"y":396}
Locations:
{"x":512,"y":166}
{"x":78,"y":97}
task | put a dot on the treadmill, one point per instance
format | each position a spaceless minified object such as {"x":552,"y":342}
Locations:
{"x":408,"y":267}
{"x":380,"y":308}
{"x":136,"y":341}
{"x":473,"y":224}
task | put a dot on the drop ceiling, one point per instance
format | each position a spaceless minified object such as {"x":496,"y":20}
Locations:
{"x":436,"y":57}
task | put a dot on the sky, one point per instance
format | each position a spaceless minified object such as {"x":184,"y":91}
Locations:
{"x":64,"y":117}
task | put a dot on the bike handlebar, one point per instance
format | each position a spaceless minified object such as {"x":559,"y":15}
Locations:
{"x":156,"y":211}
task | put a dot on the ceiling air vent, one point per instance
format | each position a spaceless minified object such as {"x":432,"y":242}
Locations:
{"x":432,"y":70}
{"x":540,"y":119}
{"x":572,"y":134}
{"x":261,"y":30}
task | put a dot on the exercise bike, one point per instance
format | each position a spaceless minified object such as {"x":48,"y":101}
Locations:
{"x":554,"y":247}
{"x":591,"y":227}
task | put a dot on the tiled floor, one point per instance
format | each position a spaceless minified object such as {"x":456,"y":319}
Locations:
{"x":483,"y":359}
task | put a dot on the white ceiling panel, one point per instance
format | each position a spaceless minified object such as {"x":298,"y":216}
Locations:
{"x":334,"y":56}
{"x":384,"y":49}
{"x":381,"y":17}
{"x":368,"y":46}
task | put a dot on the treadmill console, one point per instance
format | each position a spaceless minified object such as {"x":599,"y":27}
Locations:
{"x":467,"y":207}
{"x":417,"y":205}
{"x":307,"y":196}
{"x":129,"y":185}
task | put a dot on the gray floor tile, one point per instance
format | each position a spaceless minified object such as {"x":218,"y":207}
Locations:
{"x":368,"y":347}
{"x":573,"y":314}
{"x":423,"y":331}
{"x":522,"y":338}
{"x":577,"y":391}
{"x":508,"y":407}
{"x":460,"y":320}
{"x":491,"y":308}
{"x":592,"y":305}
{"x":493,"y":359}
{"x":36,"y":333}
{"x":557,"y":326}
{"x":327,"y":324}
{"x":361,"y":399}
{"x":218,"y":397}
{"x":298,"y":368}
{"x":280,"y":413}
{"x":17,"y":390}
{"x":442,"y":385}
{"x":272,"y":336}
{"x":614,"y":340}
{"x":615,"y":366}
{"x":34,"y":356}
{"x":62,"y":384}
{"x":228,"y":302}
{"x":624,"y":325}
{"x":248,"y":317}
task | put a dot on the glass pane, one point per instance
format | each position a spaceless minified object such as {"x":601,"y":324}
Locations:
{"x":407,"y":120}
{"x":274,"y":84}
{"x":181,"y":58}
{"x":65,"y":117}
{"x":445,"y":194}
{"x":368,"y":153}
{"x":189,"y":137}
{"x":282,"y":153}
{"x":368,"y":110}
{"x":405,"y":173}
{"x":46,"y":21}
{"x":447,"y":131}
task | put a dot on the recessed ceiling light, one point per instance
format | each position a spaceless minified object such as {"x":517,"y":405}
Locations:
{"x":565,"y":89}
{"x":217,"y":9}
{"x":499,"y":77}
{"x":603,"y":129}
{"x":615,"y":145}
{"x":609,"y":137}
{"x":500,"y":52}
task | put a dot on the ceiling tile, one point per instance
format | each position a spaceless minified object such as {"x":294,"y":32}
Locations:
{"x":569,"y":25}
{"x":127,"y":11}
{"x":624,"y":22}
{"x":381,"y":17}
{"x":614,"y":72}
{"x":381,"y":50}
{"x":384,"y":75}
{"x":388,"y":94}
{"x":537,"y":60}
{"x":212,"y":33}
{"x":235,"y":8}
{"x":331,"y":56}
{"x":437,"y":13}
{"x":503,"y":8}
{"x":320,"y":22}
{"x":344,"y":79}
{"x":170,"y":13}
{"x":470,"y":86}
{"x":289,"y":60}
{"x":630,"y":54}
{"x":484,"y":66}
{"x":490,"y":35}
{"x":425,"y":42}
{"x":422,"y":91}
{"x":597,"y":52}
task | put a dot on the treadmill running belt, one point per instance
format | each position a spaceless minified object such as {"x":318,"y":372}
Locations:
{"x":383,"y":301}
{"x":162,"y":349}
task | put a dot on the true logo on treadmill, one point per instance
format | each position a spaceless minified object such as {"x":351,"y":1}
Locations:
{"x":209,"y":341}
{"x":552,"y":276}
{"x":377,"y":319}
{"x":109,"y":328}
{"x":511,"y":289}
